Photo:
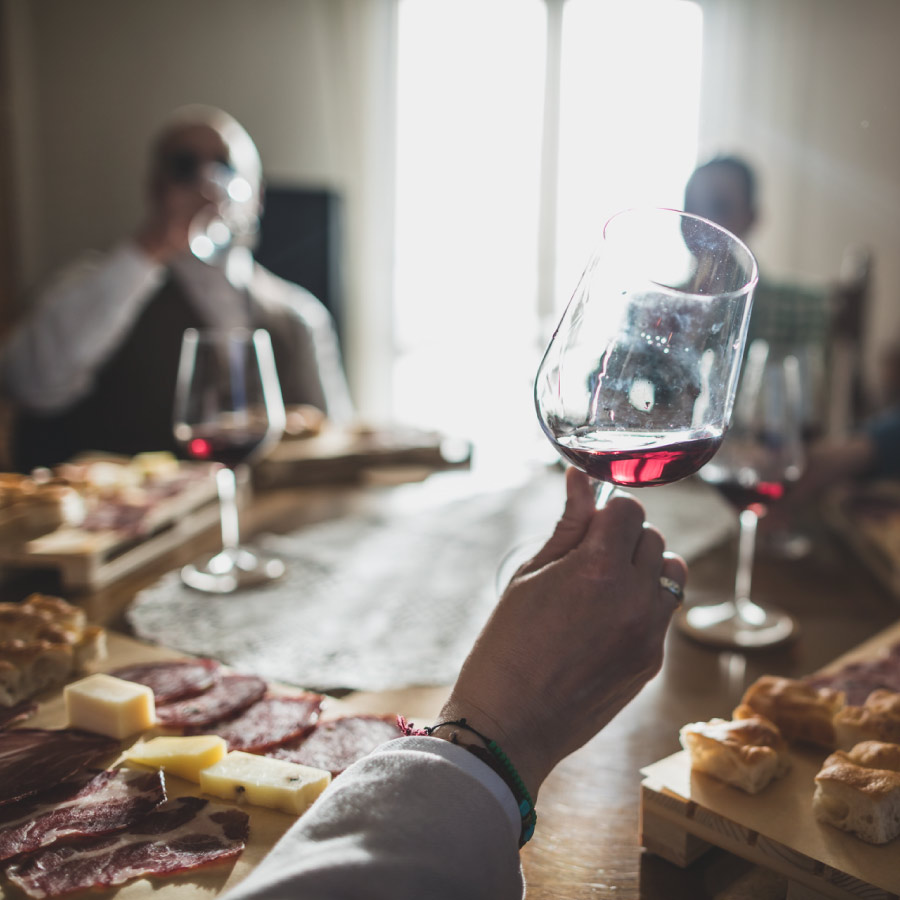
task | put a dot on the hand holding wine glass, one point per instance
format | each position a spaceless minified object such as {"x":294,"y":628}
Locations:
{"x":228,"y":408}
{"x":759,"y":459}
{"x":637,"y":385}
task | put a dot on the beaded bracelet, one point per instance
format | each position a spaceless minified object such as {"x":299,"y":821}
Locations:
{"x":498,"y":761}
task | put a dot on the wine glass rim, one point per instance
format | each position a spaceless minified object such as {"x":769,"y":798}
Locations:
{"x":749,"y":284}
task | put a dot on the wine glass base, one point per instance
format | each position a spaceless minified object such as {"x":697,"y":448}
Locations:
{"x":231,"y":570}
{"x":719,"y":625}
{"x":788,"y":545}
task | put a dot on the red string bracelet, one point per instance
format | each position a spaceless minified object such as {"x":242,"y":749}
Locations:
{"x":497,"y":760}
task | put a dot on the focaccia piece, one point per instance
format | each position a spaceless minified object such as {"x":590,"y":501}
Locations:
{"x":878,"y":719}
{"x":859,"y":791}
{"x":802,"y":713}
{"x":748,"y":752}
{"x":43,"y":641}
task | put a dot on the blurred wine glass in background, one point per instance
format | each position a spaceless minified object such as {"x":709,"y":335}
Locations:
{"x":228,"y":409}
{"x":761,"y":456}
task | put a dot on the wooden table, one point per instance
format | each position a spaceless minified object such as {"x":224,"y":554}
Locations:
{"x":586,"y":845}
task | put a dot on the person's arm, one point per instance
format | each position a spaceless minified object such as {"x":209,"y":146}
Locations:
{"x":316,"y":375}
{"x":417,"y":818}
{"x":576,"y":635}
{"x":51,"y":357}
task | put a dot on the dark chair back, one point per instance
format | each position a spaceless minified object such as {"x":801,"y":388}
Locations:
{"x":301,"y":241}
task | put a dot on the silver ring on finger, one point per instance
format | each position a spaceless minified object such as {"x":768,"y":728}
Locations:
{"x":673,"y":587}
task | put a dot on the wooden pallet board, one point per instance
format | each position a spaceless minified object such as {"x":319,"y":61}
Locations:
{"x":683,"y":814}
{"x":93,"y":559}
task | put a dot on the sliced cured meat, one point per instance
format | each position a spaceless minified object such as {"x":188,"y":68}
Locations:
{"x":182,"y":834}
{"x":12,"y":715}
{"x":230,"y":695}
{"x":173,"y":680}
{"x":337,"y":744}
{"x":268,"y":722}
{"x":91,"y":803}
{"x":34,"y":759}
{"x":859,"y":679}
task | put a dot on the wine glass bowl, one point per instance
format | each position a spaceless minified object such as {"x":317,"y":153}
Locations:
{"x":760,"y":457}
{"x":228,"y":409}
{"x":637,"y":384}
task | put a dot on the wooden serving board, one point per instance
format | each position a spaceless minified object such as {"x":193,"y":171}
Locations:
{"x":93,"y":559}
{"x":683,"y":814}
{"x":343,"y":454}
{"x":266,"y":826}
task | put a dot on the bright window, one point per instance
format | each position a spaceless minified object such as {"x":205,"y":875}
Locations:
{"x":485,"y":87}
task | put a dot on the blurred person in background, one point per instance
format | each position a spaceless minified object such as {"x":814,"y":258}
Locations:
{"x":786,"y":316}
{"x":802,"y":320}
{"x":92,"y":365}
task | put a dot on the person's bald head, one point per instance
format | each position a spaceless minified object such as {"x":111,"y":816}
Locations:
{"x":723,"y":191}
{"x":195,"y":136}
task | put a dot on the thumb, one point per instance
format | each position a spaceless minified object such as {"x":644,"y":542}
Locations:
{"x":572,"y":527}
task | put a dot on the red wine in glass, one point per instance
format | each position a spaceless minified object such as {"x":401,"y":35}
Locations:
{"x":638,"y":460}
{"x":758,"y":496}
{"x":229,"y":446}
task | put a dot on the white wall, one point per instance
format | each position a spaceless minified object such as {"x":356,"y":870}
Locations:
{"x":809,"y":94}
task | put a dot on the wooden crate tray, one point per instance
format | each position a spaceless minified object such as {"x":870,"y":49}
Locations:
{"x":683,"y":814}
{"x":340,"y":455}
{"x":93,"y":559}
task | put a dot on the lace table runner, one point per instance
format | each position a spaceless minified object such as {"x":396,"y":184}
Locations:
{"x":387,"y":600}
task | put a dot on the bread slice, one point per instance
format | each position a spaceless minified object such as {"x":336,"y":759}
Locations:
{"x":859,"y":791}
{"x":43,"y":641}
{"x":802,"y":713}
{"x":878,"y":719}
{"x":747,"y":753}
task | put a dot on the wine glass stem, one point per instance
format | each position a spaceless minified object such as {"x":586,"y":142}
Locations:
{"x":602,"y":492}
{"x":746,"y":551}
{"x":226,"y":485}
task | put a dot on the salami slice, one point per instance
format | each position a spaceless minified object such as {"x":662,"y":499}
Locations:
{"x":91,"y":803}
{"x":230,"y":695}
{"x":12,"y":715}
{"x":35,"y":759}
{"x":338,"y":743}
{"x":175,"y":679}
{"x":182,"y":834}
{"x":268,"y":723}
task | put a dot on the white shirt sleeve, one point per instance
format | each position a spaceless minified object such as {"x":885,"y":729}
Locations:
{"x":52,"y":356}
{"x":419,"y":817}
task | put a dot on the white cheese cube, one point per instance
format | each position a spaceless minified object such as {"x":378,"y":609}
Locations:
{"x":110,"y":706}
{"x":275,"y":783}
{"x":184,"y":756}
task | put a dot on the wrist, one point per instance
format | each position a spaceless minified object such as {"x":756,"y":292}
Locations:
{"x":489,"y":751}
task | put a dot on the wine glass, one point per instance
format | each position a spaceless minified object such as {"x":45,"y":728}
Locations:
{"x":638,"y":382}
{"x":232,"y":211}
{"x":759,"y":459}
{"x":228,"y":408}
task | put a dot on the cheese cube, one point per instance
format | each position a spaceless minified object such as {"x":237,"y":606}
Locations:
{"x":184,"y":756}
{"x":110,"y":706}
{"x":263,"y":781}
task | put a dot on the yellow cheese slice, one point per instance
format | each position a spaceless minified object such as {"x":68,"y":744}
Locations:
{"x":108,"y":705}
{"x":261,"y":781}
{"x":184,"y":756}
